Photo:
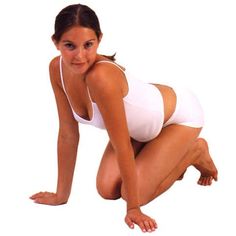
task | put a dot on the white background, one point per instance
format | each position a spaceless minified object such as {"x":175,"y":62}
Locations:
{"x":191,"y":43}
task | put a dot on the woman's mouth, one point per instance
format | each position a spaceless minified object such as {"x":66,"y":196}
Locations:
{"x":79,"y":64}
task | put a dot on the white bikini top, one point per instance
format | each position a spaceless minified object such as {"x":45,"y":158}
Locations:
{"x":143,"y":108}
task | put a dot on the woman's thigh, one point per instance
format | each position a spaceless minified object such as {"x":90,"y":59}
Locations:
{"x":160,"y":157}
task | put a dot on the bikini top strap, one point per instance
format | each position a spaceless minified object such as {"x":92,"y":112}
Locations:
{"x":62,"y":79}
{"x":63,"y":84}
{"x":110,"y":62}
{"x":61,"y":75}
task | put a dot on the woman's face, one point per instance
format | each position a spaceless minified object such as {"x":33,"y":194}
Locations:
{"x":78,"y":47}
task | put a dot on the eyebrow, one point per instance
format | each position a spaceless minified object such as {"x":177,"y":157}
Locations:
{"x":69,"y":41}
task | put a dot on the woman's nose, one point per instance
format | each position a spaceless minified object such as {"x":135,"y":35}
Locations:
{"x":80,"y":53}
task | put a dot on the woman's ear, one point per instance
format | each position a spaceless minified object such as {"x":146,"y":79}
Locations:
{"x":100,"y":37}
{"x":55,"y":42}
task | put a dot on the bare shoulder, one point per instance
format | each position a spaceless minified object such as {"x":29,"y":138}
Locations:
{"x":99,"y":74}
{"x":54,"y":64}
{"x":105,"y":77}
{"x":54,"y":70}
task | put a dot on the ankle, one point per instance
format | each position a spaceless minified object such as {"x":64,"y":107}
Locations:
{"x":199,"y":150}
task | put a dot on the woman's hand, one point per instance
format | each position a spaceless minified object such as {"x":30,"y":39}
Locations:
{"x":48,"y":198}
{"x":135,"y":216}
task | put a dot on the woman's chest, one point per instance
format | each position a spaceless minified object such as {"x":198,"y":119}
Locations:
{"x":79,"y":99}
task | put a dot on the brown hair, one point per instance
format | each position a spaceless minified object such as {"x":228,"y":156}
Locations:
{"x":74,"y":15}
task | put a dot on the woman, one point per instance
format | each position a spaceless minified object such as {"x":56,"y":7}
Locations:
{"x":153,"y":129}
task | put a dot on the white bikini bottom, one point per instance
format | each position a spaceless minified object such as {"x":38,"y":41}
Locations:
{"x":188,"y":110}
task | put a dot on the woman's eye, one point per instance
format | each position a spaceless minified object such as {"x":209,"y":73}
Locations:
{"x":70,"y":46}
{"x":88,"y":45}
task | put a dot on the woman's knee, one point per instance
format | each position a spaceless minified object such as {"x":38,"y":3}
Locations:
{"x":201,"y":145}
{"x":108,"y":191}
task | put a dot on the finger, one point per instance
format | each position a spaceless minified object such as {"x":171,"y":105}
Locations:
{"x":129,"y":222}
{"x":45,"y":200}
{"x":142,"y":226}
{"x":40,"y":194}
{"x":153,"y":225}
{"x":205,"y":181}
{"x":209,"y":182}
{"x":200,"y":181}
{"x":147,"y":225}
{"x":39,"y":201}
{"x":48,"y":194}
{"x":215,"y":177}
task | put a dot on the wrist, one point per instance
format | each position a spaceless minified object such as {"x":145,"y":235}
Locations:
{"x":63,"y":196}
{"x":137,"y":208}
{"x":132,"y":204}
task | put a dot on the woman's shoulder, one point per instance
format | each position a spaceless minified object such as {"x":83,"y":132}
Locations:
{"x":54,"y":70}
{"x":99,"y":77}
{"x":54,"y":63}
{"x":104,"y":70}
{"x":105,"y":77}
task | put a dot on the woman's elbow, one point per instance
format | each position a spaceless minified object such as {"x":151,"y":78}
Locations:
{"x":69,"y":134}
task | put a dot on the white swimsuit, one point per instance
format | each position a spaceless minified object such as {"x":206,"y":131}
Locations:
{"x":144,"y":109}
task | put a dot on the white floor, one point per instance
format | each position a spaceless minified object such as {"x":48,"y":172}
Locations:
{"x":184,"y":42}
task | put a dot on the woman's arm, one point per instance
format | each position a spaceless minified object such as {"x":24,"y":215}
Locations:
{"x":67,"y":152}
{"x":105,"y":86}
{"x":68,"y":139}
{"x":107,"y":90}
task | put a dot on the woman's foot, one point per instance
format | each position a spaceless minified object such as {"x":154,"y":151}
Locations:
{"x":205,"y":165}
